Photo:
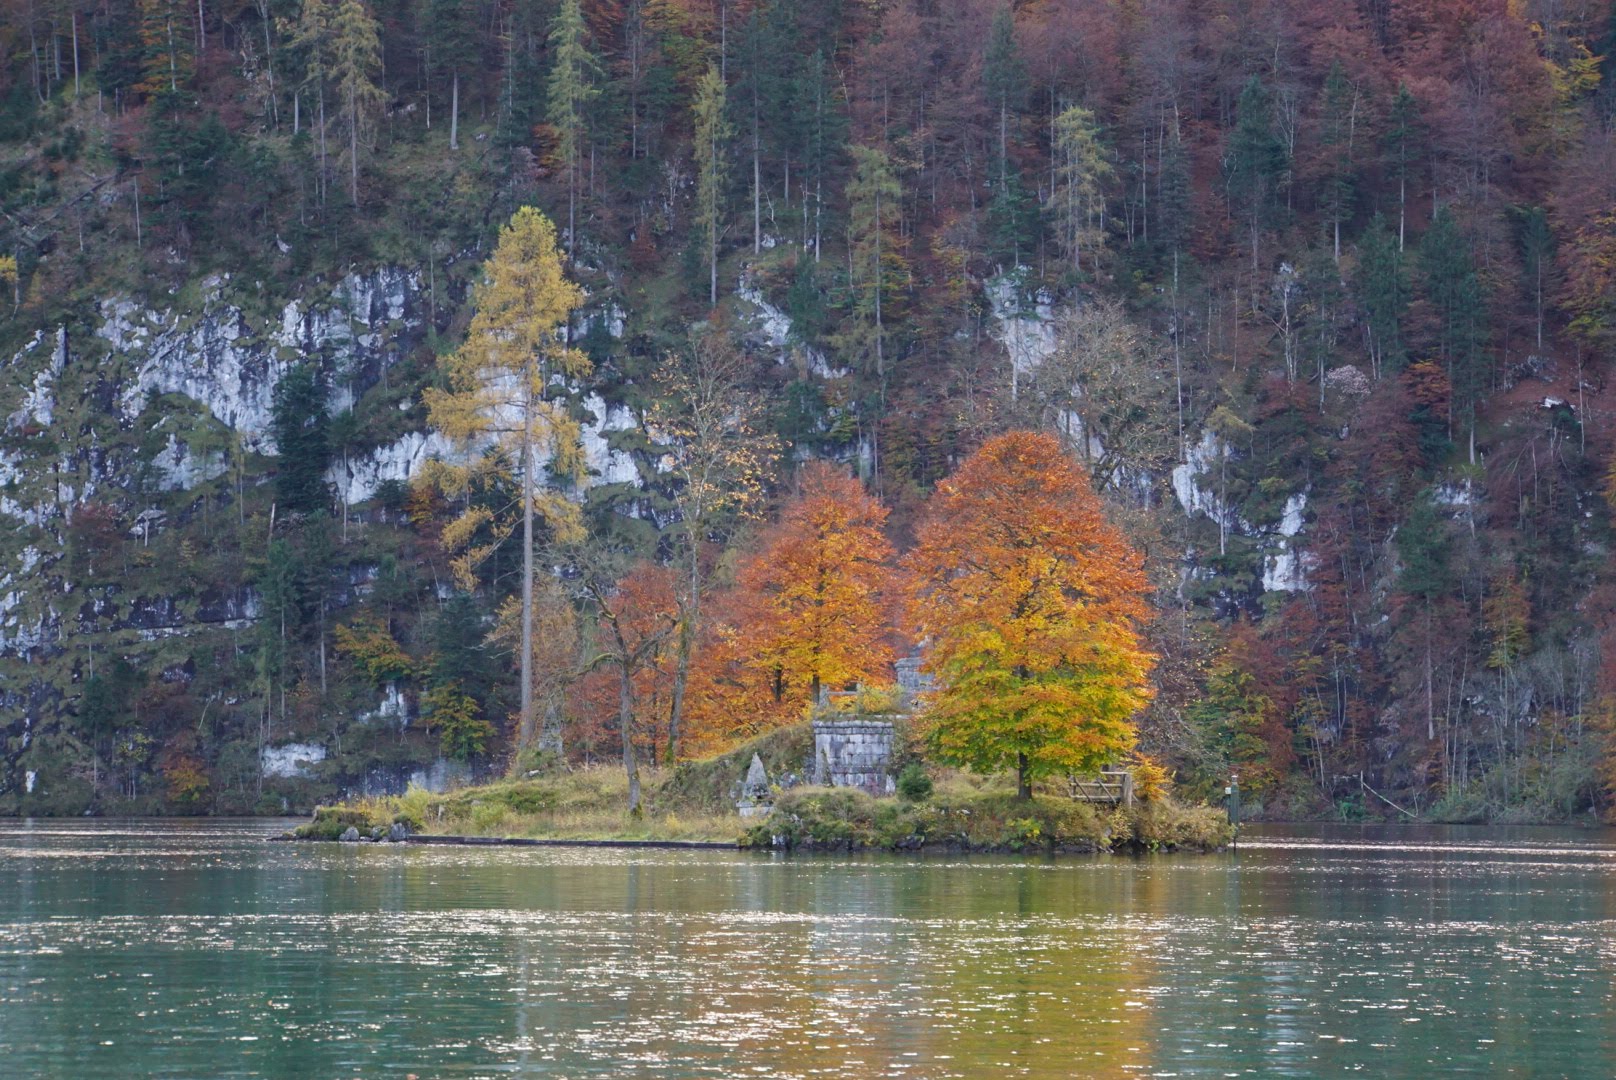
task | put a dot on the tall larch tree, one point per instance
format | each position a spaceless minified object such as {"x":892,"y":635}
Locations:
{"x":819,"y":579}
{"x":1080,"y":170}
{"x":712,"y":131}
{"x":499,"y":394}
{"x":875,"y":258}
{"x":1033,"y":604}
{"x":356,"y":57}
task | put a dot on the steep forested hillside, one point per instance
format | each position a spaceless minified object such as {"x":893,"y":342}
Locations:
{"x":1321,"y":294}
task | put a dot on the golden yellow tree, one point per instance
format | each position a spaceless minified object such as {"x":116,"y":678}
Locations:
{"x":500,"y":395}
{"x":1032,"y":603}
{"x":818,"y":588}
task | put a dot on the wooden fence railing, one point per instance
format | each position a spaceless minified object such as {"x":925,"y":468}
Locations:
{"x":1113,"y":786}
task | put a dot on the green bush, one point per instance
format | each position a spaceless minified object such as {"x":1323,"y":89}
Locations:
{"x":914,"y":783}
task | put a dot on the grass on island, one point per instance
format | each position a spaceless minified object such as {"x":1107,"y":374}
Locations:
{"x":695,"y":801}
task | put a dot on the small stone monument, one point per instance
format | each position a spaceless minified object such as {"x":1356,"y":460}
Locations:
{"x":756,"y":799}
{"x":854,"y":752}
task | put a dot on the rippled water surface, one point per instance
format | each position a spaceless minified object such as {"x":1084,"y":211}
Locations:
{"x":201,"y":950}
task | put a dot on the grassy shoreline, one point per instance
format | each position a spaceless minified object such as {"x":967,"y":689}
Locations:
{"x":695,"y":802}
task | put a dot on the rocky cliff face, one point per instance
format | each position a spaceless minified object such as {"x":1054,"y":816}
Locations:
{"x":134,"y":435}
{"x":126,"y":426}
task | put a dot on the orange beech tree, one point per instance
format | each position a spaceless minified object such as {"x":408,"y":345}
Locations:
{"x":1033,"y":604}
{"x":817,"y":585}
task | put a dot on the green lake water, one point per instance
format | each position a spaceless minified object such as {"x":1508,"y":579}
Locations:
{"x":199,"y":949}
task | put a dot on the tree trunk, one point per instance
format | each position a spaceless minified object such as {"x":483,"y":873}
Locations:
{"x":625,"y":720}
{"x":353,"y":147}
{"x":1023,"y":785}
{"x":525,"y":723}
{"x":454,"y":112}
{"x":683,"y":650}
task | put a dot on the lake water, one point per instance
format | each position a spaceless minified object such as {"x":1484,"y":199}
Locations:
{"x":198,"y":949}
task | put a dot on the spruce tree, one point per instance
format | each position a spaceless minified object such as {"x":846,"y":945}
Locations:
{"x":1448,"y":274}
{"x":1337,"y":134}
{"x":451,"y":49}
{"x":874,"y":258}
{"x":301,"y":426}
{"x":1255,"y":162}
{"x":571,"y":89}
{"x":1382,"y":287}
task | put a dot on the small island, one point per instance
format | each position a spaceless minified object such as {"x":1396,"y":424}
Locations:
{"x":928,"y":809}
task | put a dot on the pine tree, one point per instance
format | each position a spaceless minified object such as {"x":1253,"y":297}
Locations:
{"x":712,"y":168}
{"x":571,"y":90}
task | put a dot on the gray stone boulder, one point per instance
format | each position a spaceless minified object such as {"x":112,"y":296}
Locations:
{"x":350,"y":835}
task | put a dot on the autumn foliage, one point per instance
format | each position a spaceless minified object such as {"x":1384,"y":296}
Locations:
{"x":809,"y":610}
{"x":1032,"y":603}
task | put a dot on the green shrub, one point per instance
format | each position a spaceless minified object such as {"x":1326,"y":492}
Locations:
{"x":914,"y":783}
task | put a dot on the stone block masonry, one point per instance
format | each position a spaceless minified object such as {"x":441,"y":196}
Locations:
{"x":854,"y":753}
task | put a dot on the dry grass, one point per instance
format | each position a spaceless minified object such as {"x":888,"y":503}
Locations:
{"x":584,"y":804}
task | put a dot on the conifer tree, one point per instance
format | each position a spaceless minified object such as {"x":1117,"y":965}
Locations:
{"x":300,"y":423}
{"x":1401,"y":143}
{"x":167,"y":41}
{"x":1382,"y":287}
{"x":311,"y":39}
{"x":1337,"y":134}
{"x":1255,"y":162}
{"x":1004,"y":78}
{"x":571,"y":89}
{"x":451,"y":49}
{"x":1080,"y":170}
{"x":875,"y":259}
{"x":499,"y":393}
{"x":356,"y":55}
{"x":1451,"y":284}
{"x":712,"y":170}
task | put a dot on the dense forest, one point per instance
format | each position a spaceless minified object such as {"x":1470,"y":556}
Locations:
{"x":1320,"y":296}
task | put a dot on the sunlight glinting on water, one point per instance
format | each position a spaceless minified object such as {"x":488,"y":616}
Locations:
{"x":208,"y":952}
